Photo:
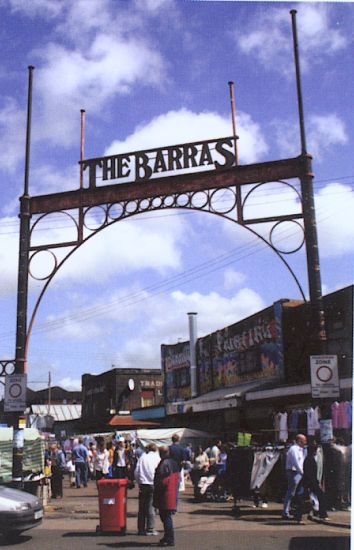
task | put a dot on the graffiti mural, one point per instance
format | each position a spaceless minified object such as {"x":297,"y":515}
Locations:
{"x":248,"y":350}
{"x":176,"y":371}
{"x":204,"y":365}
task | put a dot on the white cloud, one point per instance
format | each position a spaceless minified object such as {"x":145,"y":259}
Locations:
{"x":12,"y":135}
{"x":70,"y":384}
{"x":184,"y":126}
{"x":122,"y":248}
{"x":334,"y":214}
{"x":323,"y":132}
{"x":35,"y":8}
{"x":168,"y":321}
{"x":8,"y":255}
{"x":70,"y":79}
{"x":270,"y":40}
{"x":233,"y":278}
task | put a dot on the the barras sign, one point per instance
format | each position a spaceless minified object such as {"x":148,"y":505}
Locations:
{"x":144,"y":165}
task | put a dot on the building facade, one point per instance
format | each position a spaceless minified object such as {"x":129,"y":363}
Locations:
{"x":250,"y":370}
{"x":117,"y":390}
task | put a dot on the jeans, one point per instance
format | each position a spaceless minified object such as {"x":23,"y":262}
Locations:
{"x":80,"y":474}
{"x":294,"y":479}
{"x":166,"y":518}
{"x":146,"y":514}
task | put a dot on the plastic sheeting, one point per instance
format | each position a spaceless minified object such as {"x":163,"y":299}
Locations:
{"x":163,"y":436}
{"x":33,"y":453}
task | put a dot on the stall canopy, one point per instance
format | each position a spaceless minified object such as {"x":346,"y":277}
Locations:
{"x":163,"y":436}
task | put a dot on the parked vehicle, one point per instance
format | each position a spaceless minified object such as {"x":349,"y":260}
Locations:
{"x":19,"y":511}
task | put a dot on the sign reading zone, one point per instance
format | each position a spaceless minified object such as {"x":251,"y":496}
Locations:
{"x":324,"y":376}
{"x":15,"y":392}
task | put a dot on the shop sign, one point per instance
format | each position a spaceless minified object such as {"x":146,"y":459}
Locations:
{"x":324,"y":376}
{"x":144,"y":165}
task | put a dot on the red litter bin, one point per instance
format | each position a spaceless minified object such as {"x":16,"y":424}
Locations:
{"x":112,"y":499}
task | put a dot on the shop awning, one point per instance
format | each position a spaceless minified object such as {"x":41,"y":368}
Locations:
{"x":127,"y":421}
{"x":222,"y":398}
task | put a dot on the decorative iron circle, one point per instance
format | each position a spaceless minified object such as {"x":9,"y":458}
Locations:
{"x":115,"y":211}
{"x":91,"y":210}
{"x":218,"y":195}
{"x":7,"y":367}
{"x":200,"y":199}
{"x":183,"y":200}
{"x":54,"y":268}
{"x":131,"y":207}
{"x":144,"y":204}
{"x":293,"y":250}
{"x":169,"y":201}
{"x":156,"y":202}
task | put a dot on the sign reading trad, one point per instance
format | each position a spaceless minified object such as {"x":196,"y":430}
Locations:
{"x":143,"y":165}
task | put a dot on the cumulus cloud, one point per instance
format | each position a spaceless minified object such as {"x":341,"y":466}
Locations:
{"x":35,"y":8}
{"x":70,"y":384}
{"x":12,"y":140}
{"x":9,"y":240}
{"x":184,"y":126}
{"x":73,"y":78}
{"x":164,"y":320}
{"x":333,"y":203}
{"x":323,"y":132}
{"x":233,"y":278}
{"x":269,"y":39}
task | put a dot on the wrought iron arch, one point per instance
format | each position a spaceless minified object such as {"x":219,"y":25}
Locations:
{"x":200,"y":201}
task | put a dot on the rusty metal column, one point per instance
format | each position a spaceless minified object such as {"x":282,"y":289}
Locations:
{"x":318,"y":332}
{"x":22,"y":292}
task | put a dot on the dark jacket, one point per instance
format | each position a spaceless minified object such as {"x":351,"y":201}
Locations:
{"x":178,"y":454}
{"x":309,"y":478}
{"x":166,"y":482}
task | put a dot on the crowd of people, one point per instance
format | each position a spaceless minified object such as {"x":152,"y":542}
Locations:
{"x":159,"y":472}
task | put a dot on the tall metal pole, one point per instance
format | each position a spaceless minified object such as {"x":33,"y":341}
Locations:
{"x":310,"y":228}
{"x":82,"y":154}
{"x":22,"y":291}
{"x":234,"y":131}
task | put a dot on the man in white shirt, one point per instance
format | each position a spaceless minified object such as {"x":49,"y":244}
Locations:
{"x":294,"y":470}
{"x":144,"y":475}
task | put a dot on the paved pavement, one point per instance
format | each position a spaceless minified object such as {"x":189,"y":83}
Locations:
{"x":205,"y":516}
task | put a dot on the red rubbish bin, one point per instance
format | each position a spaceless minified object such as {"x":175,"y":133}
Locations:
{"x":112,"y":499}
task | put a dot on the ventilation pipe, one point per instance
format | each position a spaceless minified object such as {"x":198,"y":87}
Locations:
{"x":192,"y":318}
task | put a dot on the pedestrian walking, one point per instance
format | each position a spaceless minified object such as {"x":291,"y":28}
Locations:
{"x":166,"y":483}
{"x":294,"y":471}
{"x":80,"y":458}
{"x":310,"y":484}
{"x":144,"y":475}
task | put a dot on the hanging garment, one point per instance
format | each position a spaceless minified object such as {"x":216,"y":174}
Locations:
{"x":263,"y":464}
{"x":294,"y":420}
{"x":343,"y":417}
{"x":283,"y":426}
{"x":334,"y":413}
{"x":276,"y":426}
{"x":312,"y":420}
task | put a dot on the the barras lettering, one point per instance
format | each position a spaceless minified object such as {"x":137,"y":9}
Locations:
{"x":143,"y":164}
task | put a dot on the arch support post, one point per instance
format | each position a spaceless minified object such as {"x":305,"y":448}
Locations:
{"x":22,"y":298}
{"x":318,"y":332}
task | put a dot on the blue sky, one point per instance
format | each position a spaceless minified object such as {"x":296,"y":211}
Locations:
{"x":152,"y":73}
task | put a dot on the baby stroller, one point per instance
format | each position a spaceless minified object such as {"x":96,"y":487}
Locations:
{"x":213,"y":486}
